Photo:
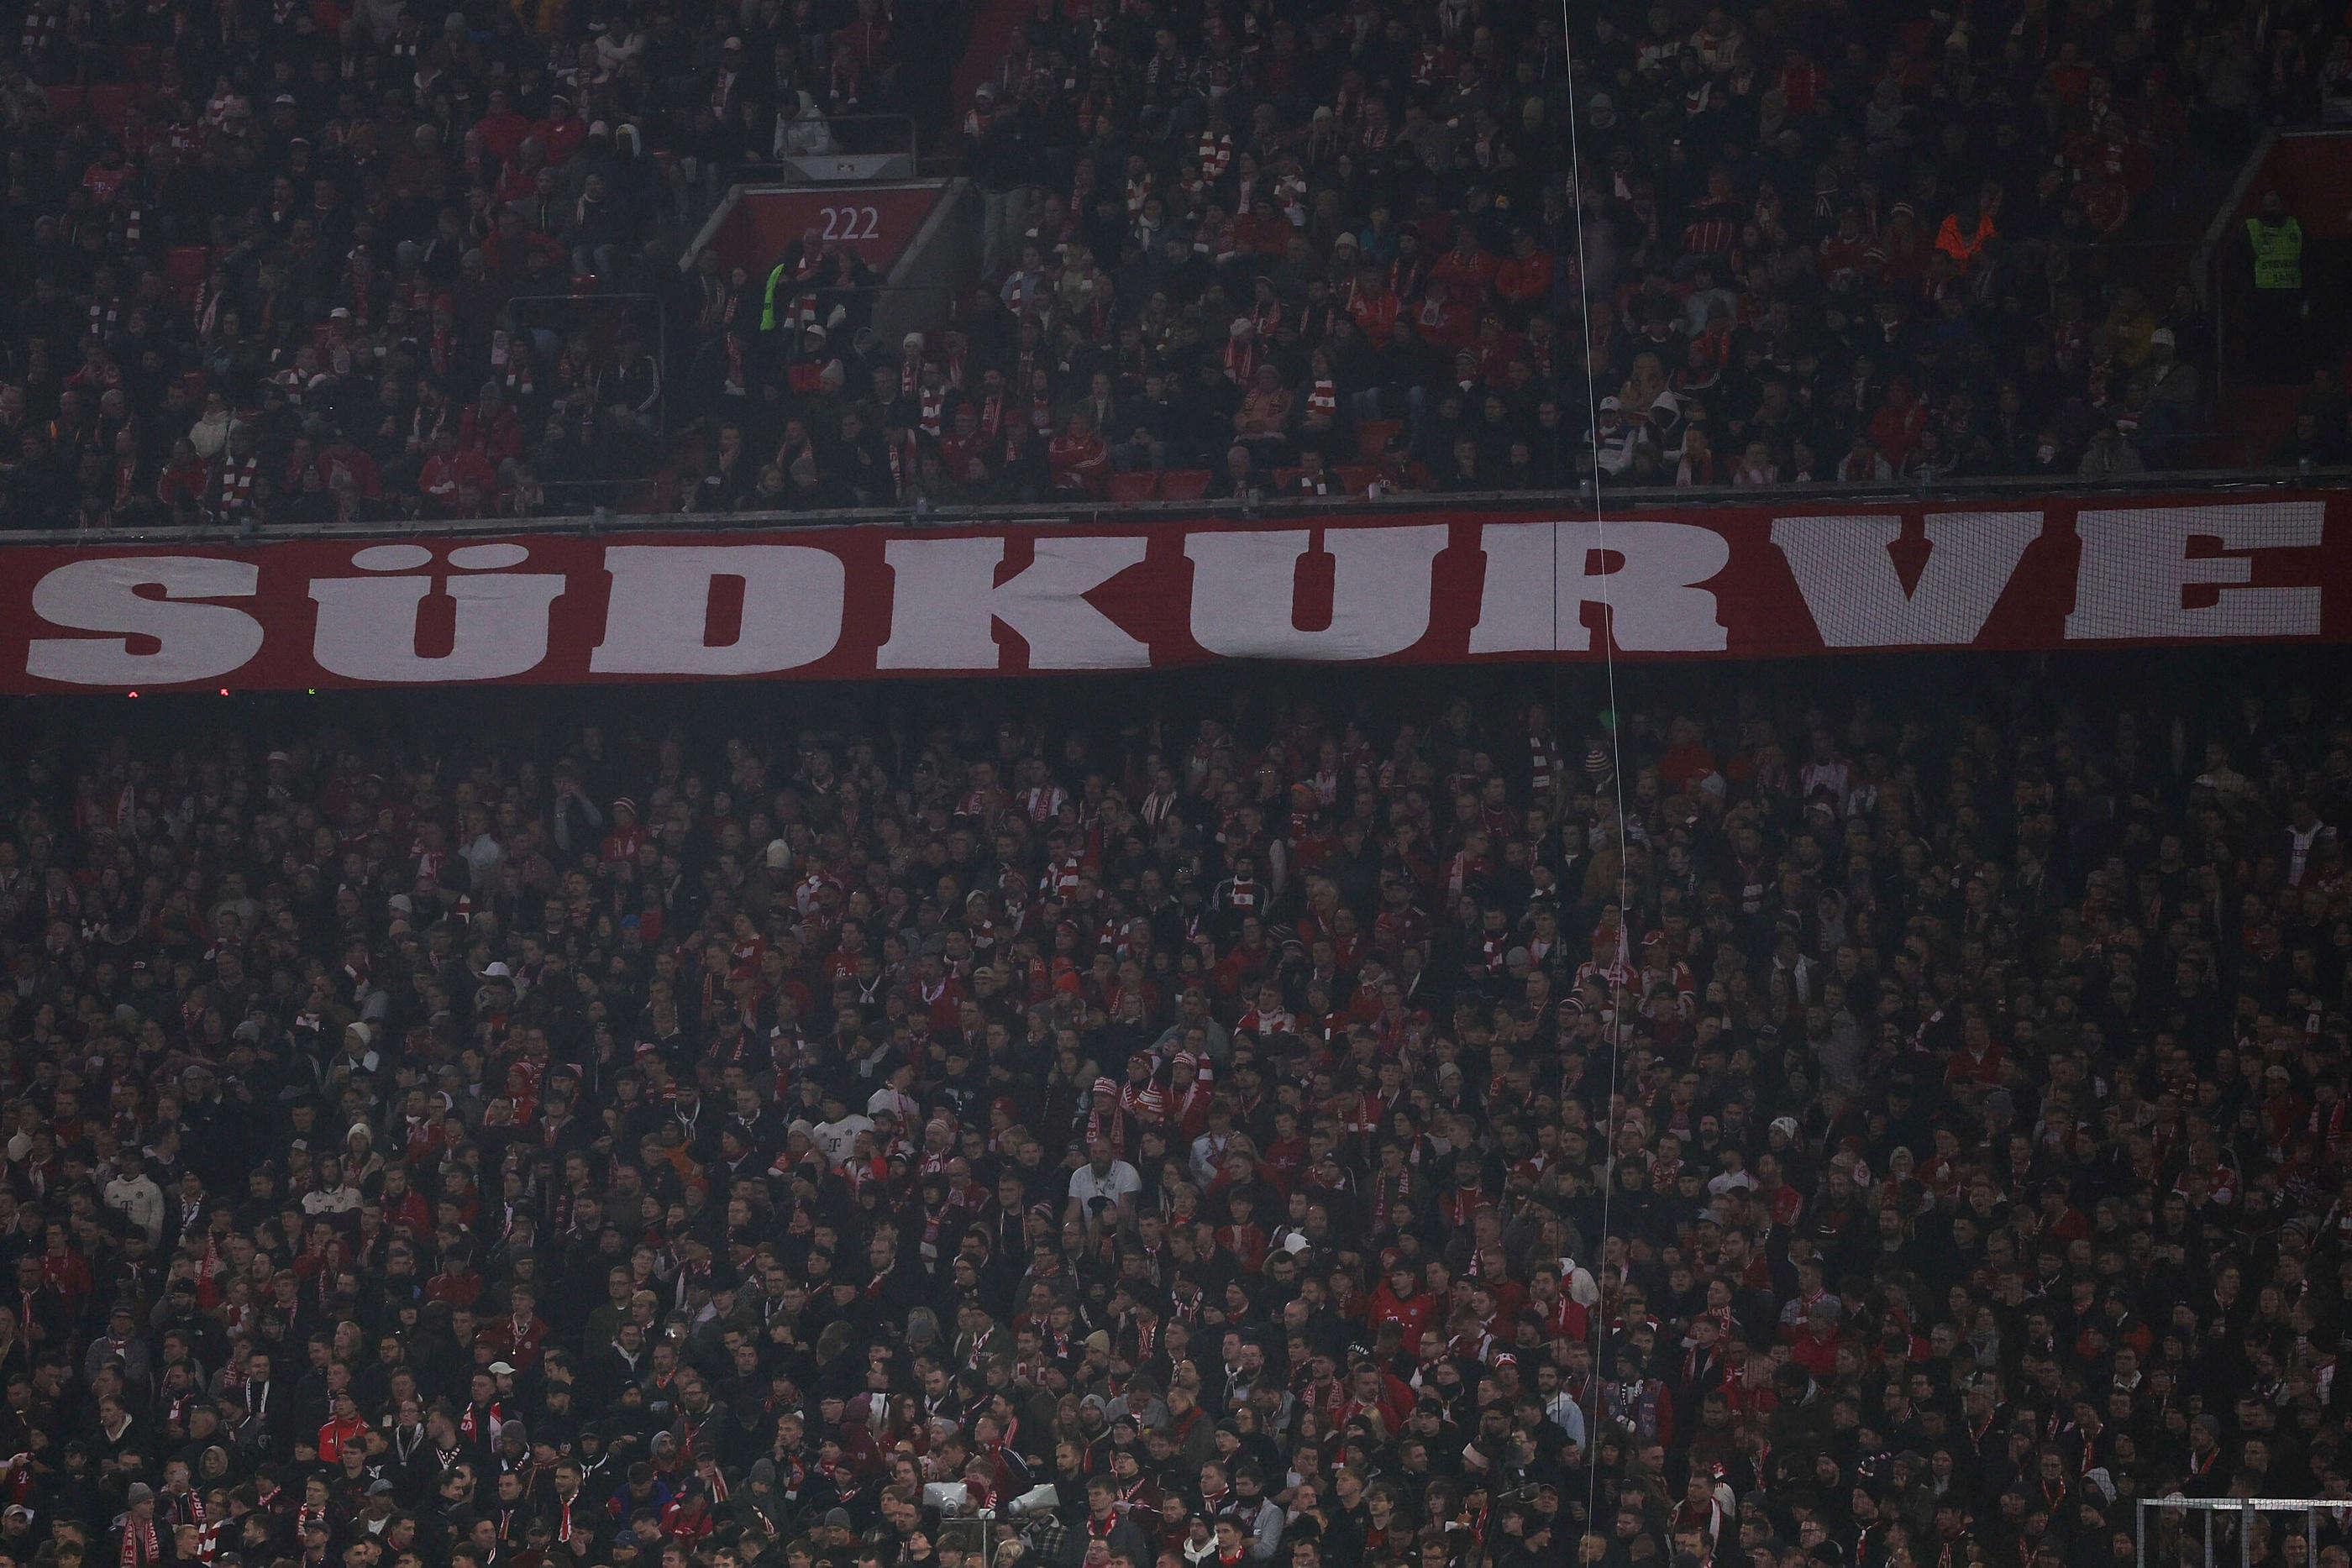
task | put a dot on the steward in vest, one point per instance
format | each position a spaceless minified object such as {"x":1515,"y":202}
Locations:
{"x":2277,"y":304}
{"x":815,"y":283}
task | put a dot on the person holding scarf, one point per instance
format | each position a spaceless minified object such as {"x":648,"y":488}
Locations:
{"x":142,"y":1545}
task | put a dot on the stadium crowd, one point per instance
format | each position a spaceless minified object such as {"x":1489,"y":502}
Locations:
{"x":262,"y":257}
{"x":1868,"y":1131}
{"x":1819,"y":243}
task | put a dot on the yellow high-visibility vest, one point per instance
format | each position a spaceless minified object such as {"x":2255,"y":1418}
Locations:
{"x":768,"y":299}
{"x":2278,"y":253}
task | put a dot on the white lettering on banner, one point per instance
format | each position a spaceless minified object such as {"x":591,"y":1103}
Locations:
{"x":197,"y":642}
{"x":1244,"y":591}
{"x":658,"y":617}
{"x":1849,"y":578}
{"x":1540,"y":575}
{"x":2135,"y":563}
{"x":947,"y":600}
{"x":367,"y":625}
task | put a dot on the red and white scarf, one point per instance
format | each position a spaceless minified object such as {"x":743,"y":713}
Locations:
{"x":139,"y":1547}
{"x":236,"y":478}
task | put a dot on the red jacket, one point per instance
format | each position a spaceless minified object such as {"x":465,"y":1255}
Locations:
{"x":496,"y":436}
{"x":503,"y":134}
{"x":337,"y":1436}
{"x":1416,"y":1315}
{"x":1077,"y":464}
{"x":1522,"y":280}
{"x":561,"y":138}
{"x":1466,"y":279}
{"x":443,"y":475}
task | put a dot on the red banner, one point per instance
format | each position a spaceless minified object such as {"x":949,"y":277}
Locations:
{"x":1417,"y":588}
{"x":877,"y":221}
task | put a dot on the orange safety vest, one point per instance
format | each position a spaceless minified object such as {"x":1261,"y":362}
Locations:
{"x":1961,"y":246}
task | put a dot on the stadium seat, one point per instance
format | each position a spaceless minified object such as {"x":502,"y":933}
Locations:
{"x":1184,"y":483}
{"x":184,"y":266}
{"x":1358,"y":476}
{"x":1130,"y":489}
{"x":68,"y":105}
{"x":109,"y":105}
{"x":1372,"y":435}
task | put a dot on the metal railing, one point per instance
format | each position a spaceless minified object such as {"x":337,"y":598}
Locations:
{"x":844,"y":312}
{"x":632,"y":439}
{"x":874,"y":145}
{"x":615,"y":511}
{"x":861,"y":321}
{"x":2244,"y":1512}
{"x":602,"y":316}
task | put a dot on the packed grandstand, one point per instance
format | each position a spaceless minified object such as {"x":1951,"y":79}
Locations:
{"x":1327,"y":1046}
{"x":315,"y":262}
{"x":1791,"y":1118}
